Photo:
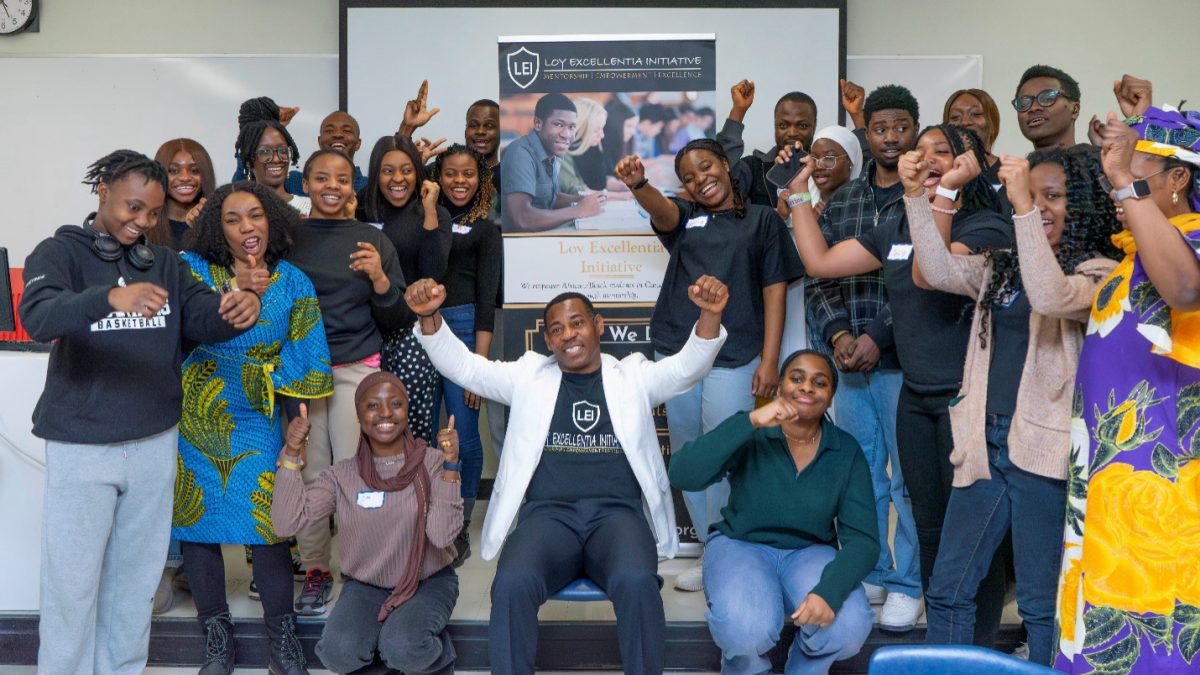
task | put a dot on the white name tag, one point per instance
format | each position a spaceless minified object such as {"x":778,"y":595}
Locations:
{"x":370,"y":499}
{"x":460,"y":229}
{"x":900,"y":252}
{"x":698,"y":221}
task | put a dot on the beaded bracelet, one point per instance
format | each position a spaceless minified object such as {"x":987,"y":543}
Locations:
{"x":938,"y":209}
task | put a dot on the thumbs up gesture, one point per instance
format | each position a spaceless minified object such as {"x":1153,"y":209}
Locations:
{"x":296,"y":442}
{"x":447,"y":440}
{"x":255,"y":278}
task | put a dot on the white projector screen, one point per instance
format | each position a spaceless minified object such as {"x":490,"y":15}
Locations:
{"x":387,"y":51}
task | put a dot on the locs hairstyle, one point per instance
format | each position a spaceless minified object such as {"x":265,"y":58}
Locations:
{"x":254,"y":118}
{"x":121,"y":163}
{"x":207,"y":236}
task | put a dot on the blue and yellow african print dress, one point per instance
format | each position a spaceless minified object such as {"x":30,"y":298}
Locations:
{"x":231,"y":429}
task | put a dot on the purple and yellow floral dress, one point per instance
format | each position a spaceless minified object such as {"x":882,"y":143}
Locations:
{"x":1129,"y":595}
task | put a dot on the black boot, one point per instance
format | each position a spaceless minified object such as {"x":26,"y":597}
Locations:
{"x":218,"y":648}
{"x":287,"y":655}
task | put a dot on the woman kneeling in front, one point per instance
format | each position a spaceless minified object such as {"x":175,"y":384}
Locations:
{"x":398,"y":508}
{"x":800,"y":526}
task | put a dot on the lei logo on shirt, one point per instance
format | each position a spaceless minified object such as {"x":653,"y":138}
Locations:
{"x":523,"y":67}
{"x":585,"y":415}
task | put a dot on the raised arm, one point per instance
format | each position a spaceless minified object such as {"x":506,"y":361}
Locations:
{"x":843,"y":259}
{"x":730,"y":135}
{"x":664,"y":380}
{"x":664,"y":215}
{"x":1170,"y":260}
{"x":1051,"y":291}
{"x":949,"y":274}
{"x":293,"y":506}
{"x":491,"y":379}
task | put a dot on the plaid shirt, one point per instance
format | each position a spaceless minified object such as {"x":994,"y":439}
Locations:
{"x":859,"y":303}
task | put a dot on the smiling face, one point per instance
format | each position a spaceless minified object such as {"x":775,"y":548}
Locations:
{"x":706,"y":177}
{"x":807,"y":384}
{"x":968,"y":111}
{"x":397,"y":178}
{"x":1048,"y":185}
{"x":556,"y":131}
{"x":795,"y":121}
{"x":245,"y":226}
{"x":573,"y":335}
{"x":271,"y":159}
{"x":483,"y":129}
{"x":459,"y":178}
{"x":1047,"y":125}
{"x":937,"y":151}
{"x":329,"y":183}
{"x":383,"y":413}
{"x":128,"y":208}
{"x":339,"y":131}
{"x":829,"y":180}
{"x":183,"y":178}
{"x":890,"y":133}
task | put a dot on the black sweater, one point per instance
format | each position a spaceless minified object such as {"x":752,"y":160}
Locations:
{"x":113,"y":377}
{"x":475,"y":268}
{"x":422,"y":253}
{"x":349,"y":305}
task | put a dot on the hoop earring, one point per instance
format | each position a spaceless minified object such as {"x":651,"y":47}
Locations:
{"x":1175,"y":197}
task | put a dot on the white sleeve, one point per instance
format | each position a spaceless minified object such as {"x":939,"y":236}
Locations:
{"x":666,"y":379}
{"x":494,"y":380}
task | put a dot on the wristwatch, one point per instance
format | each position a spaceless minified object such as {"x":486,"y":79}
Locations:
{"x":1138,"y":189}
{"x":946,"y":192}
{"x":452,"y":466}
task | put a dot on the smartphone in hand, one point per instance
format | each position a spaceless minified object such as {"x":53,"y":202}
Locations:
{"x":780,"y":175}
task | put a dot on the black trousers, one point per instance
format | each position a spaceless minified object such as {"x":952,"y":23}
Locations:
{"x":206,"y":575}
{"x":924,"y":442}
{"x":554,"y":544}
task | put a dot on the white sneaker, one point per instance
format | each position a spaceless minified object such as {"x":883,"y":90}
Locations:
{"x":900,"y":613}
{"x":875,"y":594}
{"x":692,"y":579}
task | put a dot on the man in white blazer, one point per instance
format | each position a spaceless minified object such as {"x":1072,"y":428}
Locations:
{"x":581,"y":471}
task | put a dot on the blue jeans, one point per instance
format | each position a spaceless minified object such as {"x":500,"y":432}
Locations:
{"x":865,"y":406}
{"x":723,"y":392}
{"x":461,"y":320}
{"x":753,"y":588}
{"x":976,"y":520}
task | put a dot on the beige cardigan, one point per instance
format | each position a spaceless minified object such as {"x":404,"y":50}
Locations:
{"x":1039,"y":439}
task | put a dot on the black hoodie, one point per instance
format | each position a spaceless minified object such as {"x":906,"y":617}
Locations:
{"x":113,"y":377}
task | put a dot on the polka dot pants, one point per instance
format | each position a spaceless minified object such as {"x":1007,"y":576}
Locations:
{"x":403,"y":357}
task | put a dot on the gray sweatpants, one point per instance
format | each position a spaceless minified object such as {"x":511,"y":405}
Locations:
{"x":106,"y":525}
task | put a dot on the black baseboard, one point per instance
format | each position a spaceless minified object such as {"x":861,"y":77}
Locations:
{"x":561,"y":645}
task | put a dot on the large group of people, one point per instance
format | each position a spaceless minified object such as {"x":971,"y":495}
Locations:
{"x":995,"y":354}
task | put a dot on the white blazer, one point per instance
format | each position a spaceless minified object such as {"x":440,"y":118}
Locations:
{"x":633,"y":386}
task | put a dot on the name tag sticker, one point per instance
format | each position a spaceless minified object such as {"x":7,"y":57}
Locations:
{"x":370,"y":499}
{"x":698,"y":221}
{"x":460,"y":229}
{"x":900,"y":252}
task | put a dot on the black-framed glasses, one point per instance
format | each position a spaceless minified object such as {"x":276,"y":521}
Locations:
{"x":827,"y":161}
{"x":1045,"y":98}
{"x":265,"y":154}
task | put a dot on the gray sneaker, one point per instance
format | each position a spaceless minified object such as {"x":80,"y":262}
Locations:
{"x":317,"y":591}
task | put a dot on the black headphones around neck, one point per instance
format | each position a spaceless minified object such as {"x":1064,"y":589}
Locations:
{"x":108,"y":249}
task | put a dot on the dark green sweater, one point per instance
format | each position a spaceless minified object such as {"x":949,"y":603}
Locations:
{"x":830,"y":502}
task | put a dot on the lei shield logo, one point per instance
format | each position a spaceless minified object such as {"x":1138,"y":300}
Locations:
{"x":585,"y":415}
{"x":523,"y":67}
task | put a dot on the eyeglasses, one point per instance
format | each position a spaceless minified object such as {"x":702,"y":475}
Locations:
{"x":827,"y":161}
{"x":1108,"y":187}
{"x":1045,"y":98}
{"x":265,"y":154}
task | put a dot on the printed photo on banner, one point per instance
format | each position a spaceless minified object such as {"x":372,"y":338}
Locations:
{"x":570,"y":109}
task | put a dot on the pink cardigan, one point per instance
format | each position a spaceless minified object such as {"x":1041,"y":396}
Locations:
{"x":1039,"y":439}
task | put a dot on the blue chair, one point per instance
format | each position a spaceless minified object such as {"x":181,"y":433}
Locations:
{"x":581,"y":590}
{"x":942,"y":659}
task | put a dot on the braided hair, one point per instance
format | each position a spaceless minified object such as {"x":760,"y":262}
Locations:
{"x":207,"y":235}
{"x":713,"y":147}
{"x":977,"y":194}
{"x":481,"y":201}
{"x":119,"y":164}
{"x":1090,"y":223}
{"x":254,"y":117}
